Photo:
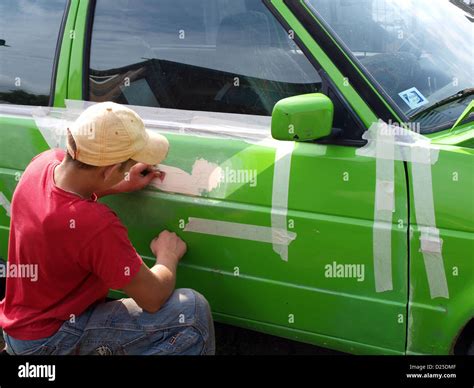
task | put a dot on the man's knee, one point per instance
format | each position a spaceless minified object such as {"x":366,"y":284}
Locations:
{"x":197,"y":313}
{"x":190,"y":306}
{"x":184,"y":307}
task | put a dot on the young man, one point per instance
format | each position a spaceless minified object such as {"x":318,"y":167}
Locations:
{"x":80,"y":250}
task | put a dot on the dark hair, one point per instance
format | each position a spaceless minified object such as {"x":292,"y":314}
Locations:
{"x":79,"y":164}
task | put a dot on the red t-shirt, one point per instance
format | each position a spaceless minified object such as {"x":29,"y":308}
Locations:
{"x":78,"y":249}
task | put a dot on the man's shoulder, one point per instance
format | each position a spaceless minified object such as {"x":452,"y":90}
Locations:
{"x":96,"y":215}
{"x":37,"y":169}
{"x":40,"y":161}
{"x":48,"y":156}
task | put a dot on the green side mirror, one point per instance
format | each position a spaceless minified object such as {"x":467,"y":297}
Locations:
{"x":304,"y":117}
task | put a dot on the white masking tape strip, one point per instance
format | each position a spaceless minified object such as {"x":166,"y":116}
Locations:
{"x":208,"y":124}
{"x":422,"y":190}
{"x":415,"y":148}
{"x":5,"y":203}
{"x":281,"y":181}
{"x":11,"y":110}
{"x":436,"y":275}
{"x":383,"y":211}
{"x":430,"y":240}
{"x":431,"y":243}
{"x":384,"y":197}
{"x":239,"y":231}
{"x":53,"y":122}
{"x":407,"y":144}
{"x":54,"y":131}
{"x":382,"y":246}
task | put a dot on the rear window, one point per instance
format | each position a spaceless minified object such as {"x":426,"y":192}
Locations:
{"x":29,"y":32}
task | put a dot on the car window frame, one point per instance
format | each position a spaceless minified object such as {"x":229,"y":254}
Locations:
{"x":86,"y":55}
{"x":57,"y":53}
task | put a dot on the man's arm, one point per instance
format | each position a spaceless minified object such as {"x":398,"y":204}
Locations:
{"x":151,"y":288}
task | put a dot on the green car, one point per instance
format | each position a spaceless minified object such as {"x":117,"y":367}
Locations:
{"x":321,"y":167}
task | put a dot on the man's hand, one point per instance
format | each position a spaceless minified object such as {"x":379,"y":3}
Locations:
{"x":150,"y":288}
{"x":139,"y":176}
{"x":168,"y":247}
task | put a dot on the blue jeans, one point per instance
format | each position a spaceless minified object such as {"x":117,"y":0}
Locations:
{"x":183,"y":326}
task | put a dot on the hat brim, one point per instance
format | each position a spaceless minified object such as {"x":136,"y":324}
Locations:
{"x":155,"y":150}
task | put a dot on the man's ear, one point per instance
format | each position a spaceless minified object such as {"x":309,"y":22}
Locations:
{"x":109,"y":171}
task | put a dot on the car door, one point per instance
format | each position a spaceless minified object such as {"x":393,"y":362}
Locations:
{"x":412,"y":65}
{"x":283,"y":237}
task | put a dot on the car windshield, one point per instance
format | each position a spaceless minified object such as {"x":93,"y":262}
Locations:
{"x":419,"y":51}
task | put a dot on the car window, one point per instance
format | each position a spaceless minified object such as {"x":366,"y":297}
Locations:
{"x":29,"y":32}
{"x":228,"y":56}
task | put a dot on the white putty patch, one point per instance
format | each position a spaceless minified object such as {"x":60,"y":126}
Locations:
{"x":205,"y":177}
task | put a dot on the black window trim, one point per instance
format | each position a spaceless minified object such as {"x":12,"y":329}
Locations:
{"x":57,"y":53}
{"x":348,"y":107}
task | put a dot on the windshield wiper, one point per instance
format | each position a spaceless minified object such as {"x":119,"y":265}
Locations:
{"x":457,"y":96}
